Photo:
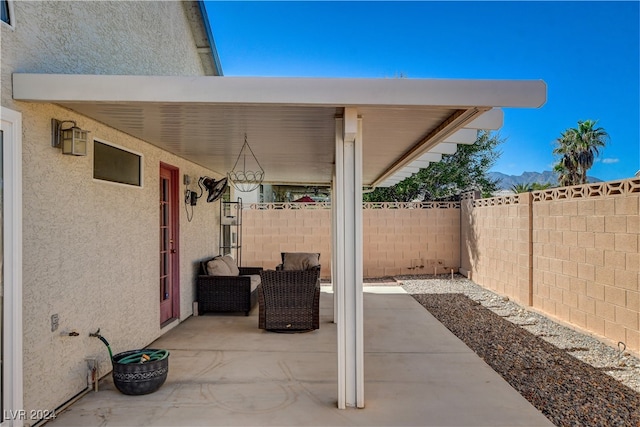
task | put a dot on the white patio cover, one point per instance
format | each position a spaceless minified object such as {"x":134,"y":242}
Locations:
{"x":350,"y":133}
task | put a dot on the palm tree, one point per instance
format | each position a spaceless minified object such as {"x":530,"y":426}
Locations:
{"x":564,"y":176}
{"x":589,"y":140}
{"x":532,"y":186}
{"x":521,"y":188}
{"x":578,"y":148}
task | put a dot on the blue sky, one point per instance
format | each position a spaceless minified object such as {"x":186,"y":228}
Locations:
{"x":587,"y":52}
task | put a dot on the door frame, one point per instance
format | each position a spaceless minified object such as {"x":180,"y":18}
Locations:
{"x":174,"y":224}
{"x":12,"y":375}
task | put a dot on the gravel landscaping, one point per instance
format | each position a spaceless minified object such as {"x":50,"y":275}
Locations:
{"x":572,"y":378}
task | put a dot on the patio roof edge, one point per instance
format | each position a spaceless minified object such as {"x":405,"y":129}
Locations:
{"x":278,"y":90}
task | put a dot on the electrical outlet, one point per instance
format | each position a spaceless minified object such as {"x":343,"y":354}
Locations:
{"x":186,"y":179}
{"x":54,"y":322}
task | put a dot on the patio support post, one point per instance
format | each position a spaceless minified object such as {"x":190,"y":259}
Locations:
{"x":334,"y":233}
{"x":348,"y":257}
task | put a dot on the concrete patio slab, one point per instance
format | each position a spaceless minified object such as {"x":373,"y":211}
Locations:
{"x":224,"y":371}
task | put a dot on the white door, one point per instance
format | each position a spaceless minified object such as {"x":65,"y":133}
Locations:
{"x":11,"y":268}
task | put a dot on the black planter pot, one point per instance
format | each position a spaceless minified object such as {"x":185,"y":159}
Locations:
{"x":139,"y":378}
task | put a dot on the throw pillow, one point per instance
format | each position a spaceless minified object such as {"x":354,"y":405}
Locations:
{"x":231,"y":263}
{"x":217,"y":267}
{"x":300,"y":261}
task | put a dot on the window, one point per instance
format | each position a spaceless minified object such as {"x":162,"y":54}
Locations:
{"x":115,"y":164}
{"x":4,"y":7}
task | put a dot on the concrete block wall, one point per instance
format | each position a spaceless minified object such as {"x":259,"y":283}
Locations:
{"x":498,"y":245}
{"x":397,"y":239}
{"x":411,"y":241}
{"x":571,"y":253}
{"x":268,"y":232}
{"x":585,"y":258}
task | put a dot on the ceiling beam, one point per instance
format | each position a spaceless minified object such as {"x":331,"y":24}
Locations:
{"x":452,"y":123}
{"x":463,"y":136}
{"x":445,"y":148}
{"x":420,"y":164}
{"x":491,"y":120}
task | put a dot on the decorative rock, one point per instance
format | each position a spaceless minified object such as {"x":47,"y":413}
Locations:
{"x":572,"y":378}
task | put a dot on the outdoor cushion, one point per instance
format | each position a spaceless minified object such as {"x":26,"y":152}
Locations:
{"x":300,"y":261}
{"x":217,"y":267}
{"x":231,"y":263}
{"x":255,"y":281}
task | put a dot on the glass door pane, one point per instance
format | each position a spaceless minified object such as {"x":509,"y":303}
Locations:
{"x":165,"y":246}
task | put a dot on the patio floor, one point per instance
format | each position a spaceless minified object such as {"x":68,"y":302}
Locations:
{"x":224,"y":371}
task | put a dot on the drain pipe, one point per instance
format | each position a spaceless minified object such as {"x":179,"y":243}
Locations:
{"x":92,"y":379}
{"x":92,"y":374}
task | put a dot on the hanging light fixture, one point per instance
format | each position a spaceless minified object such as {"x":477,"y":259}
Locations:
{"x":242,"y":178}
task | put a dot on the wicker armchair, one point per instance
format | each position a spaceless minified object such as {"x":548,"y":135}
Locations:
{"x":227,"y":293}
{"x":289,"y":300}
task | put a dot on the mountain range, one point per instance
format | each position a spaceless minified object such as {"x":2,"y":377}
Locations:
{"x":506,"y":182}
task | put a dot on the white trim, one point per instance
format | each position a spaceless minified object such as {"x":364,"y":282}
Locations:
{"x":358,"y":268}
{"x":61,"y":88}
{"x":348,"y":294}
{"x":338,"y":250}
{"x":334,"y":243}
{"x":11,"y":125}
{"x":12,"y":16}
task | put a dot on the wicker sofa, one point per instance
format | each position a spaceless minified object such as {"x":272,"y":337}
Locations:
{"x":222,"y":290}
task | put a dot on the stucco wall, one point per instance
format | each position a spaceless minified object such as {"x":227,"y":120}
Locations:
{"x":97,"y":37}
{"x":91,"y":249}
{"x":91,"y":255}
{"x":408,"y":239}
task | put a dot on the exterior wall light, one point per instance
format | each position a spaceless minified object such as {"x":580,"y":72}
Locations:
{"x":72,"y":140}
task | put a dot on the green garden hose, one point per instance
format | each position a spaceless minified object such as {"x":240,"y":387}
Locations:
{"x":104,"y":340}
{"x":144,"y":357}
{"x":137,"y":357}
